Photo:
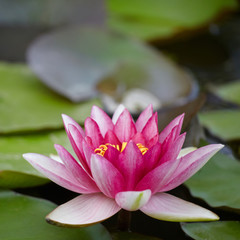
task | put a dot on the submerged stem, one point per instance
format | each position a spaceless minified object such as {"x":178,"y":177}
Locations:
{"x":124,"y":220}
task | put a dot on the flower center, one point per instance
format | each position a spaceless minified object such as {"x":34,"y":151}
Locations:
{"x":103,"y":148}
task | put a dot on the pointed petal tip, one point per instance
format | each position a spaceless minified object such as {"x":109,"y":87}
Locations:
{"x":26,"y":155}
{"x":214,"y":148}
{"x":164,"y":206}
{"x":182,"y":115}
{"x":150,"y":106}
{"x":118,"y":112}
{"x":30,"y":156}
{"x":57,"y":146}
{"x":219,"y":146}
{"x":95,"y":107}
{"x":64,"y":117}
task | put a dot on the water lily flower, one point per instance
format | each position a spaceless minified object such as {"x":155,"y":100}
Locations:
{"x":122,"y":164}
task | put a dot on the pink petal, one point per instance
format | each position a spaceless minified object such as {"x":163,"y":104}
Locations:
{"x":109,"y":180}
{"x":132,"y":200}
{"x":130,"y":164}
{"x":190,"y":164}
{"x":87,"y":153}
{"x":55,"y":171}
{"x":92,"y":130}
{"x":144,"y":117}
{"x":151,"y":157}
{"x":68,"y":120}
{"x":117,"y":113}
{"x":152,"y":141}
{"x":84,"y":210}
{"x":166,"y":207}
{"x":102,"y":119}
{"x":111,"y":137}
{"x":151,"y":128}
{"x":112,"y":155}
{"x":125,"y":128}
{"x":174,"y":149}
{"x":158,"y":177}
{"x":139,"y":138}
{"x":178,"y":121}
{"x":76,"y":170}
{"x":77,"y":142}
{"x":169,"y":140}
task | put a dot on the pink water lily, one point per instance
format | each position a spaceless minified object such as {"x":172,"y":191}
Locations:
{"x":122,"y":164}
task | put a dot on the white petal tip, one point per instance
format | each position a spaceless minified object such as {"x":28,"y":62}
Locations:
{"x":118,"y":112}
{"x":163,"y":206}
{"x":132,"y":200}
{"x":64,"y":116}
{"x":29,"y":156}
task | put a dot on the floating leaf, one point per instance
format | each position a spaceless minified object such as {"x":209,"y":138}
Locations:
{"x":74,"y":60}
{"x":131,"y":236}
{"x":213,"y":230}
{"x":23,"y":218}
{"x":26,"y":104}
{"x":229,"y":92}
{"x":17,"y":172}
{"x":222,"y":123}
{"x":163,"y":19}
{"x":217,"y":182}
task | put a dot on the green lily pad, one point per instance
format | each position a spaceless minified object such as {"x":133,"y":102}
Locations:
{"x":16,"y":171}
{"x":163,"y":19}
{"x":229,"y":91}
{"x":131,"y":236}
{"x":27,"y":105}
{"x":217,"y":182}
{"x":213,"y":230}
{"x":23,"y":218}
{"x":222,"y":123}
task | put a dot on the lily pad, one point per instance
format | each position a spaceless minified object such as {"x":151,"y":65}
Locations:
{"x":23,"y":218}
{"x":163,"y":19}
{"x":213,"y":230}
{"x":15,"y":171}
{"x":229,"y":92}
{"x":222,"y":123}
{"x":73,"y":61}
{"x":27,"y":105}
{"x":131,"y":236}
{"x":217,"y":182}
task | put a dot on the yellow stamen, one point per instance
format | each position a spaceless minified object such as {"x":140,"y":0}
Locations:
{"x":142,"y":148}
{"x":103,"y":148}
{"x":124,"y":144}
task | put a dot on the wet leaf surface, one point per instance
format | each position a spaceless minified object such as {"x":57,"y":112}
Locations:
{"x":229,"y":92}
{"x":213,"y":231}
{"x":159,"y":19}
{"x":23,"y":217}
{"x":222,"y":123}
{"x":16,"y":171}
{"x":217,"y":182}
{"x":27,"y":105}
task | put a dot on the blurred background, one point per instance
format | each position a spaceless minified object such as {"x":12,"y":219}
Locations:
{"x":59,"y":56}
